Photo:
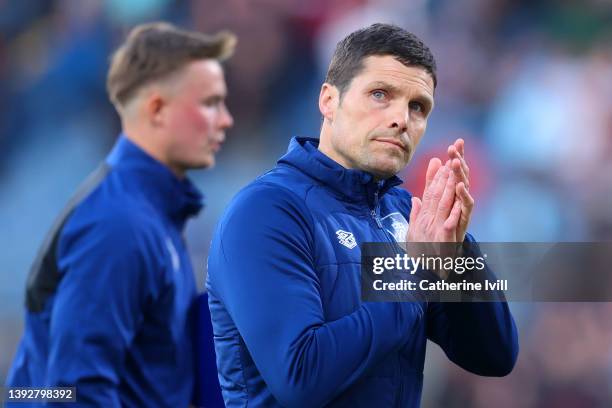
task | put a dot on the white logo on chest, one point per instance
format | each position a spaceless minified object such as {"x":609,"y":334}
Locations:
{"x":396,"y":225}
{"x":346,"y":238}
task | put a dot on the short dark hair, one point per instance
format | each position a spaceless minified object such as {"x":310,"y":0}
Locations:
{"x":154,"y":50}
{"x":377,"y":39}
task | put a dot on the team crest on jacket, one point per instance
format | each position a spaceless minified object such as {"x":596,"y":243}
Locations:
{"x":346,"y":238}
{"x":396,"y":225}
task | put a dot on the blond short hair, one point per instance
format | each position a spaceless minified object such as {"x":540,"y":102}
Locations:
{"x":155,"y":50}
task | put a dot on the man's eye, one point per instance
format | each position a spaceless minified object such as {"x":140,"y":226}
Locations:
{"x":212,"y":102}
{"x":379,"y":95}
{"x":416,"y":106}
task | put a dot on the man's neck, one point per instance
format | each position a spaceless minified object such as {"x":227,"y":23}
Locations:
{"x":149,"y":145}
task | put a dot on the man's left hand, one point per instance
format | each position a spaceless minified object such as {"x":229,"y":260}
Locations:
{"x":456,"y":154}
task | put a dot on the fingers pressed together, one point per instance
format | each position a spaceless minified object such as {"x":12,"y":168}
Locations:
{"x":446,"y":208}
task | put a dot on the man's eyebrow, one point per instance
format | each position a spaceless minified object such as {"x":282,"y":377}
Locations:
{"x":385,"y":85}
{"x":216,"y":96}
{"x":421,"y":96}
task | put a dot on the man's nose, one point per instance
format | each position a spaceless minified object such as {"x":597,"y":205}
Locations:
{"x":399,"y":120}
{"x":227,"y":121}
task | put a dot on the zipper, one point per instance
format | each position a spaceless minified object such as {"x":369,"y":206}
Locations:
{"x":400,"y":398}
{"x":374,"y":213}
{"x":376,"y":217}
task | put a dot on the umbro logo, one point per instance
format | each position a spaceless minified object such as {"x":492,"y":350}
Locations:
{"x":346,"y":238}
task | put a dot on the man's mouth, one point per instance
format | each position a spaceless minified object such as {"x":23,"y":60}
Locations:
{"x":394,"y":142}
{"x":216,"y":147}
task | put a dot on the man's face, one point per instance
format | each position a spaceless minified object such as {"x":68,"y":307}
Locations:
{"x":196,"y":116}
{"x":381,"y":117}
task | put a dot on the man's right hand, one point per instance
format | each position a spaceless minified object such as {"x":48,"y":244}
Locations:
{"x":436,"y":218}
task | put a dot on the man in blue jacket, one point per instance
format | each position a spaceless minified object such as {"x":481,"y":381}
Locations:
{"x":110,"y":296}
{"x":284,"y":268}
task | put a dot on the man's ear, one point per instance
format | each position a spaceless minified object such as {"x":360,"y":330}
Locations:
{"x":155,"y":105}
{"x":329,"y":99}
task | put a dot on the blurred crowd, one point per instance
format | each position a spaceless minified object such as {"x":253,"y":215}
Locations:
{"x":527,"y":84}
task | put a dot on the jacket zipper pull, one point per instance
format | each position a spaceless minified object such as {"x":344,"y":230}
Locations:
{"x":376,"y":219}
{"x":373,"y":212}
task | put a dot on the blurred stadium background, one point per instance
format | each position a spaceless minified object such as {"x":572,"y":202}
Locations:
{"x":528,"y":84}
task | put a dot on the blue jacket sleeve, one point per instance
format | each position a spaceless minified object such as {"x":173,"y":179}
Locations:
{"x":108,"y":276}
{"x":262,"y":267}
{"x":480,"y":337}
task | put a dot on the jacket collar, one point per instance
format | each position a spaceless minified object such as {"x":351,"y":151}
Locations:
{"x":177,"y":199}
{"x":353,"y":185}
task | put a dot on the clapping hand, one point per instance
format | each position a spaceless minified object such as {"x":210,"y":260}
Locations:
{"x":444,"y":213}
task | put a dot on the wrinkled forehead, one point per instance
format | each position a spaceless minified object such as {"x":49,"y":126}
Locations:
{"x":402,"y":78}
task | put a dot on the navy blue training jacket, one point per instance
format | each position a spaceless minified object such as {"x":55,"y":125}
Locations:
{"x":110,"y":297}
{"x":284,"y":294}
